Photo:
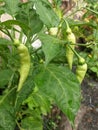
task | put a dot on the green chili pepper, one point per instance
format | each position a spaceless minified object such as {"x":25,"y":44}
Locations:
{"x":53,"y":31}
{"x":24,"y":62}
{"x":81,"y":69}
{"x":71,"y":38}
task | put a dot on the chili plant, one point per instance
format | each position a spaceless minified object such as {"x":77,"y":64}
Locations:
{"x":32,"y":79}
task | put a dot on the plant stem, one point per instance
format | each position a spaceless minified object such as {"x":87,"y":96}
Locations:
{"x":92,"y":11}
{"x":8,"y":33}
{"x":78,"y":56}
{"x":10,"y":81}
{"x":19,"y":126}
{"x":4,"y":97}
{"x":80,"y":44}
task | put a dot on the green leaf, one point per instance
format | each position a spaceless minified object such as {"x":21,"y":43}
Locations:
{"x":5,"y":42}
{"x":7,"y":121}
{"x":45,"y":1}
{"x":31,"y":19}
{"x":46,"y":13}
{"x":51,"y":46}
{"x":39,"y":100}
{"x":95,"y":34}
{"x":35,"y":24}
{"x":1,"y":11}
{"x":7,"y":113}
{"x":24,"y":93}
{"x":30,"y":123}
{"x":9,"y":23}
{"x":94,"y":69}
{"x":43,"y":102}
{"x":5,"y":76}
{"x":62,"y":86}
{"x":12,"y":6}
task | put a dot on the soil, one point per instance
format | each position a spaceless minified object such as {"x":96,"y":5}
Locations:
{"x":87,"y":117}
{"x":90,"y":101}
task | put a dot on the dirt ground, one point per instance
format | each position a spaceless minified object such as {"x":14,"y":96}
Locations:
{"x":90,"y":101}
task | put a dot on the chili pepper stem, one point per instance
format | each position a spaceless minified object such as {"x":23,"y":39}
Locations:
{"x":68,"y":28}
{"x":80,"y":59}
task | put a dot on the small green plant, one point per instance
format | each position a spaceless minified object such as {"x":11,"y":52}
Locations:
{"x":32,"y":79}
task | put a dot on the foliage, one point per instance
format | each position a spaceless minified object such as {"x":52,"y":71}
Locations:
{"x":50,"y":81}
